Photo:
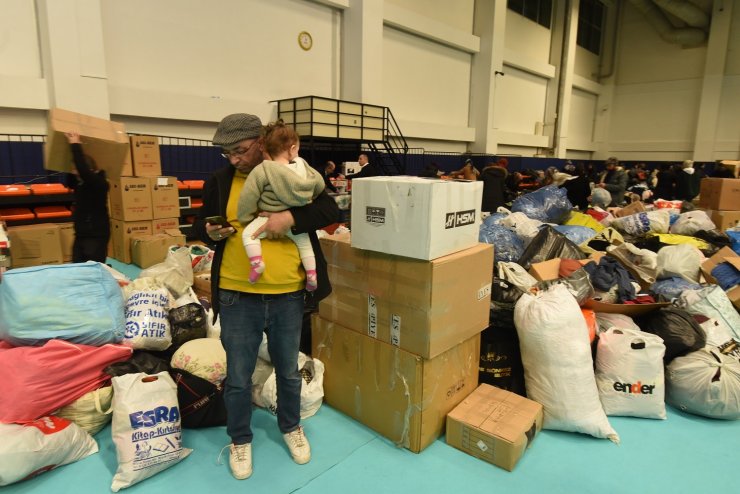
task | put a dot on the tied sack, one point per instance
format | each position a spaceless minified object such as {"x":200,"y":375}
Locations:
{"x":558,"y":368}
{"x":146,"y":427}
{"x":147,"y":325}
{"x":629,"y":373}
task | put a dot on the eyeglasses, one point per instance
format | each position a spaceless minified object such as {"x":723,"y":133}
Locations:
{"x":239,"y":151}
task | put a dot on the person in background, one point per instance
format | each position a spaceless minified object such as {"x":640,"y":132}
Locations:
{"x":467,"y":172}
{"x":431,"y":171}
{"x":274,"y":305}
{"x":577,"y":186}
{"x":666,"y":186}
{"x":722,"y":171}
{"x":696,"y":179}
{"x":366,"y":169}
{"x":90,"y":215}
{"x":493,"y":177}
{"x":685,"y":181}
{"x":329,"y":172}
{"x":614,"y":180}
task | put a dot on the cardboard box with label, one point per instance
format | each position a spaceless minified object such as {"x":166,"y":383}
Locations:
{"x":121,"y":233}
{"x":145,"y":157}
{"x":148,"y":250}
{"x":105,"y":141}
{"x":720,"y":193}
{"x":35,"y":245}
{"x":415,"y":217}
{"x":67,"y":237}
{"x":399,"y":395}
{"x":423,"y":307}
{"x":725,"y":254}
{"x":724,"y":220}
{"x":165,"y":194}
{"x":161,"y":224}
{"x":494,"y":425}
{"x":130,"y":199}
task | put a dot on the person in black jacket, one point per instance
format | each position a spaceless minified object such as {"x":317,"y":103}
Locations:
{"x":274,"y":304}
{"x":666,"y":186}
{"x":493,"y":177}
{"x":578,"y":187}
{"x":329,"y":172}
{"x":366,"y":169}
{"x":91,"y":222}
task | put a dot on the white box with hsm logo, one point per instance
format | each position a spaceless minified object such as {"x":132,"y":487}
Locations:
{"x":415,"y":217}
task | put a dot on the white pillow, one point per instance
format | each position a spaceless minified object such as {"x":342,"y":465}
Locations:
{"x":203,"y":357}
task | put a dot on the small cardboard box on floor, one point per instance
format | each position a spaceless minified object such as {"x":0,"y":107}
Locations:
{"x":105,"y":141}
{"x":415,"y":217}
{"x":494,"y":425}
{"x":720,"y":193}
{"x":35,"y":245}
{"x":130,"y":199}
{"x":121,"y":233}
{"x":724,"y":220}
{"x":423,"y":307}
{"x":399,"y":395}
{"x":148,"y":250}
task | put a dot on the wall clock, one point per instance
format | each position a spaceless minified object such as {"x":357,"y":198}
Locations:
{"x":305,"y":40}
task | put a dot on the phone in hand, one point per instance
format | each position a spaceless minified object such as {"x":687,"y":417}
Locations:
{"x":217,"y":220}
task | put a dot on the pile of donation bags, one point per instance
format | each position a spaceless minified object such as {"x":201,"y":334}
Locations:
{"x":82,"y":346}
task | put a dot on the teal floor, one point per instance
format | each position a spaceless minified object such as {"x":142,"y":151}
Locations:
{"x":684,"y":454}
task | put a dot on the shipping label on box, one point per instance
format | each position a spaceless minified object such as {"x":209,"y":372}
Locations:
{"x":35,"y":245}
{"x":121,"y":234}
{"x":105,"y":141}
{"x":399,"y":395}
{"x":423,"y":307}
{"x":415,"y":217}
{"x":130,"y":199}
{"x":145,"y":156}
{"x":165,"y":197}
{"x":148,"y":250}
{"x":494,"y":425}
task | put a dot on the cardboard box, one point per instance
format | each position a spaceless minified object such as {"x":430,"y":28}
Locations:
{"x":35,"y":245}
{"x":105,"y":141}
{"x":148,"y":250}
{"x":399,"y":395}
{"x":494,"y":425}
{"x":67,"y":238}
{"x":423,"y":307}
{"x":724,"y":220}
{"x":145,"y":156}
{"x":127,"y":170}
{"x":161,"y":224}
{"x":549,"y":270}
{"x":415,"y":217}
{"x":202,"y":284}
{"x":349,"y":168}
{"x":121,"y":234}
{"x":165,"y":197}
{"x":720,"y":193}
{"x":725,"y":254}
{"x":130,"y":199}
{"x":733,"y":166}
{"x":632,"y":208}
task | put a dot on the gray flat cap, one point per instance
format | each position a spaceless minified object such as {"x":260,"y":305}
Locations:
{"x":235,"y":128}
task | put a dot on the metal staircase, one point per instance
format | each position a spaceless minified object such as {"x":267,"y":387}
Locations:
{"x":390,"y":154}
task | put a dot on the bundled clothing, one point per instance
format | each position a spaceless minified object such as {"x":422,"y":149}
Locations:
{"x":610,"y":272}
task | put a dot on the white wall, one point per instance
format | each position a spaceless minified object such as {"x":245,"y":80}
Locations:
{"x":457,"y":14}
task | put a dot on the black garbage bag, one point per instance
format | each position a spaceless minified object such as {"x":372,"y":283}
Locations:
{"x":578,"y":284}
{"x":201,"y":401}
{"x":717,"y":238}
{"x":187,"y":322}
{"x":549,"y":244}
{"x":678,"y":329}
{"x":140,"y":361}
{"x":501,"y":360}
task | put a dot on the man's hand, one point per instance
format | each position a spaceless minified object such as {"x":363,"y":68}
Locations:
{"x":73,"y":137}
{"x":277,"y":225}
{"x":217,"y":232}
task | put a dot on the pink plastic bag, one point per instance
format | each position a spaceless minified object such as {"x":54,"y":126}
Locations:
{"x":38,"y":380}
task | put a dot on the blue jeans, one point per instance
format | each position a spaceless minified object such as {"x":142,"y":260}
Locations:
{"x":244,"y":316}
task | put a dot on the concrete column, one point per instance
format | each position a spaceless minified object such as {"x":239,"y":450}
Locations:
{"x":565,"y":89}
{"x":72,"y":55}
{"x":362,"y":52}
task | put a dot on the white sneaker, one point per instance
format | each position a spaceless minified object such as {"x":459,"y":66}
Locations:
{"x":298,"y":445}
{"x":240,"y":460}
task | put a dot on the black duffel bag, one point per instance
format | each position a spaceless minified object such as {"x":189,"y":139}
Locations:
{"x":201,"y":401}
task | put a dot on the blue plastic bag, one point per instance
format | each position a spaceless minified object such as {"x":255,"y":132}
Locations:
{"x":576,"y":233}
{"x":80,"y":303}
{"x":671,"y":288}
{"x":507,"y":246}
{"x":735,"y":238}
{"x":549,"y":204}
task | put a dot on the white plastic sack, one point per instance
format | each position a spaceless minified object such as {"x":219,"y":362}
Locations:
{"x":146,"y":427}
{"x":629,"y":373}
{"x":214,"y":328}
{"x":646,"y":222}
{"x":516,"y":275}
{"x":525,"y":227}
{"x":682,"y":260}
{"x":175,"y":273}
{"x":40,"y":446}
{"x":558,"y":368}
{"x":147,"y":325}
{"x":705,"y":382}
{"x":691,"y":222}
{"x":607,"y":320}
{"x":91,"y":411}
{"x":312,"y":387}
{"x":712,"y":302}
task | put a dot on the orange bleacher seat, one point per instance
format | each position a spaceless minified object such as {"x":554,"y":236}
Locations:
{"x":47,"y":189}
{"x":194,"y":184}
{"x":16,"y":214}
{"x":14,"y":190}
{"x":52,"y":212}
{"x":182,"y":185}
{"x":196,"y":203}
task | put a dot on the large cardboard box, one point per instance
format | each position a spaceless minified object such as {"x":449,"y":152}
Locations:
{"x":121,"y":234}
{"x":35,"y":245}
{"x":67,"y":237}
{"x":725,"y":254}
{"x":145,"y":157}
{"x":105,"y":141}
{"x":159,"y":225}
{"x":165,"y":197}
{"x":724,"y":220}
{"x":720,"y":193}
{"x":632,"y":208}
{"x":398,"y":394}
{"x":148,"y":250}
{"x":415,"y":217}
{"x":494,"y":425}
{"x":130,"y":199}
{"x":202,"y":284}
{"x":423,"y":307}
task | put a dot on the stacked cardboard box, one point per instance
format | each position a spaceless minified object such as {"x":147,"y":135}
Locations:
{"x":720,"y":197}
{"x":35,"y":245}
{"x":148,"y":250}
